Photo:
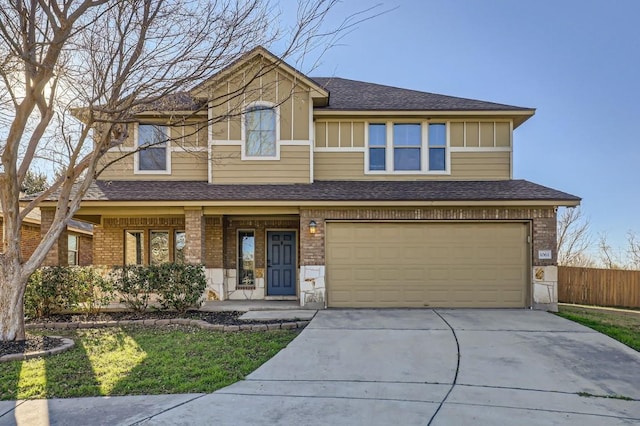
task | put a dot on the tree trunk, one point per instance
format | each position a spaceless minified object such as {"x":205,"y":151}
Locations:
{"x":12,"y":289}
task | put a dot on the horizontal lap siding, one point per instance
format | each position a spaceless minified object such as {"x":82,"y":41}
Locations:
{"x":184,"y":166}
{"x":293,"y":166}
{"x":464,"y":165}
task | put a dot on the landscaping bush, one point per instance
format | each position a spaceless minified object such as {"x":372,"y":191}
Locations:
{"x":177,"y":286}
{"x":133,"y":285}
{"x":56,"y":289}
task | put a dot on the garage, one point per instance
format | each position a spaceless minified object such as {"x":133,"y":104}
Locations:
{"x":427,"y":264}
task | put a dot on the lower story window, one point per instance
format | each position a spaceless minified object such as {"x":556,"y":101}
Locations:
{"x":164,"y":246}
{"x":159,"y":247}
{"x":73,"y":250}
{"x":134,"y":247}
{"x":246,"y":258}
{"x":179,"y":242}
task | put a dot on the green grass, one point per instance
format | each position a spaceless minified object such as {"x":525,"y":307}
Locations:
{"x":622,"y":326}
{"x":134,"y":361}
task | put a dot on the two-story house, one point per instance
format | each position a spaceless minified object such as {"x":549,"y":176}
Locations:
{"x":333,"y":192}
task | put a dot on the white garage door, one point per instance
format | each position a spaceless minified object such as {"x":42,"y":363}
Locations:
{"x":427,"y":264}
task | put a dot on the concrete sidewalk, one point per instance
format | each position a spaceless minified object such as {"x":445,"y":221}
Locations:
{"x":403,"y":367}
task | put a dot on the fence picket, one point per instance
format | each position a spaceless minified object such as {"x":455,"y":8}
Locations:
{"x":602,"y":287}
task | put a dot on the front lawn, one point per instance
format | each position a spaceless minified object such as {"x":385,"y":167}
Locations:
{"x":622,"y":326}
{"x":140,"y":360}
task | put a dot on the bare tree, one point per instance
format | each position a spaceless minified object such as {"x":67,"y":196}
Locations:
{"x":574,"y":238}
{"x":608,"y":256}
{"x":101,"y":60}
{"x":633,"y":250}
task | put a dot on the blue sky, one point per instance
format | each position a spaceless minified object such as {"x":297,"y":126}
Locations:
{"x":576,"y":61}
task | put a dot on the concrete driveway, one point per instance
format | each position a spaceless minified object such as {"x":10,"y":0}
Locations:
{"x":440,"y":367}
{"x":399,"y":367}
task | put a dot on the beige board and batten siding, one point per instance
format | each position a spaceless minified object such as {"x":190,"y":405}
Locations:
{"x":185,"y":165}
{"x":348,"y":165}
{"x":432,"y":264}
{"x":478,"y":150}
{"x":257,"y":82}
{"x":292,"y":167}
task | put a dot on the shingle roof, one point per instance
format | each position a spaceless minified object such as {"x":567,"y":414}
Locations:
{"x":180,"y":101}
{"x":324,"y":191}
{"x":352,"y":95}
{"x":359,"y":95}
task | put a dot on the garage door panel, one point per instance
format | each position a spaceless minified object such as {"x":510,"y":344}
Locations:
{"x":427,"y":264}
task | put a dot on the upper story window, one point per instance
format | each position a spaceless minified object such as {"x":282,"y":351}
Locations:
{"x":260,"y":131}
{"x":377,"y":146}
{"x":437,"y":146}
{"x":407,"y":147}
{"x":153,"y":158}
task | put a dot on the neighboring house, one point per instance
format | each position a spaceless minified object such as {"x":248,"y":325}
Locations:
{"x":79,"y":243}
{"x":333,"y":192}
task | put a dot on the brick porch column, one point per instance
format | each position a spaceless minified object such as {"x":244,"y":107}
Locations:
{"x":58,"y":255}
{"x":194,"y":230}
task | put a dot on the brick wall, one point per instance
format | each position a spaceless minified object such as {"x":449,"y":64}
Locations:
{"x":214,"y":242}
{"x":29,"y":239}
{"x":58,"y":255}
{"x":85,"y":250}
{"x":108,"y":238}
{"x":543,"y":222}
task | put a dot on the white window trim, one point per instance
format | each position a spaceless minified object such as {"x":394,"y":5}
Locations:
{"x":243,"y":149}
{"x":424,"y":149}
{"x":136,"y":160}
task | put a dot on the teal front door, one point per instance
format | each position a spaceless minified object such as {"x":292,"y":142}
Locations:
{"x":281,"y":263}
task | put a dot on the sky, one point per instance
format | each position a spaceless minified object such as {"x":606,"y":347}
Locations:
{"x":577,"y":62}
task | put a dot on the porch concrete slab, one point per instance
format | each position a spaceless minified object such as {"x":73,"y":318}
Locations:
{"x":507,"y":320}
{"x":381,"y":319}
{"x":562,"y":361}
{"x":365,"y":355}
{"x":231,"y":409}
{"x":287,"y":315}
{"x":249,"y":305}
{"x":591,"y":409}
{"x":84,"y":411}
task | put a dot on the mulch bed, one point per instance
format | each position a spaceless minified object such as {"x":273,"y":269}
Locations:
{"x":222,"y":317}
{"x":35,"y":343}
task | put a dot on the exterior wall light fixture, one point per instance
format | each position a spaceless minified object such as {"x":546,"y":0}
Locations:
{"x":313,"y":227}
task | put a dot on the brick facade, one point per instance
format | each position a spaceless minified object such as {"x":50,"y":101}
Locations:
{"x":214,"y":242}
{"x":85,"y":250}
{"x":543,"y":224}
{"x":58,"y":255}
{"x":194,"y":250}
{"x":108,"y":238}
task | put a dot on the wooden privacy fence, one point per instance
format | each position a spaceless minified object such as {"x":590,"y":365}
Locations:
{"x":602,"y":287}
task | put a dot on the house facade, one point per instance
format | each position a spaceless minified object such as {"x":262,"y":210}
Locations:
{"x":333,"y":192}
{"x":75,"y":245}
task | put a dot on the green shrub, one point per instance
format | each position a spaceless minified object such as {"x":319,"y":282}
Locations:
{"x":133,"y":285}
{"x":57,"y":289}
{"x":179,"y":286}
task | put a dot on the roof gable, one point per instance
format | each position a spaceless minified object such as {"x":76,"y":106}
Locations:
{"x":271,"y":62}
